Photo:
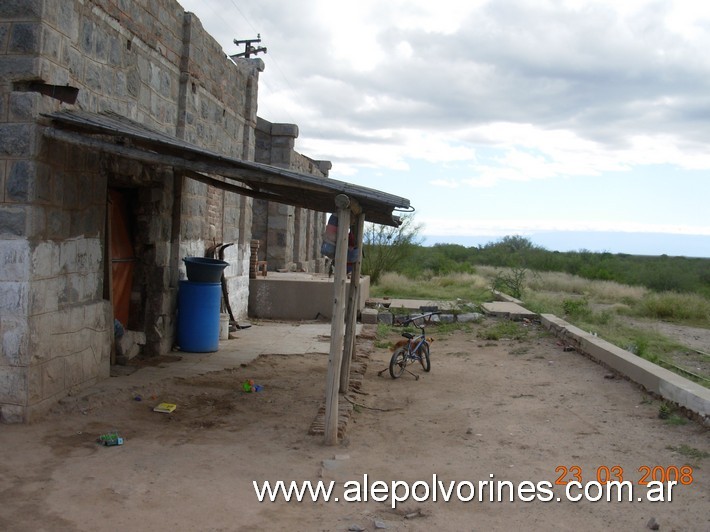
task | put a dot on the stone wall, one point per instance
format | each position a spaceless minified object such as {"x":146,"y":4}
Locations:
{"x":289,"y":236}
{"x":151,"y":62}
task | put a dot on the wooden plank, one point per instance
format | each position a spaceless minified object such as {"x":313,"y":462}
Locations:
{"x":306,"y":201}
{"x":337,"y":326}
{"x":351,"y":315}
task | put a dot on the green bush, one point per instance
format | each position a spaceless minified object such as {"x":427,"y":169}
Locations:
{"x":674,"y":306}
{"x":511,"y":282}
{"x":576,"y":307}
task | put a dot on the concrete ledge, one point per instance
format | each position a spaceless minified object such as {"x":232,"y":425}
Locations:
{"x":500,"y":296}
{"x":297,"y":296}
{"x":653,"y":378}
{"x":505,"y":309}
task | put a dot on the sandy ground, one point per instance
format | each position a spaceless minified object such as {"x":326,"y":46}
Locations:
{"x":517,"y":410}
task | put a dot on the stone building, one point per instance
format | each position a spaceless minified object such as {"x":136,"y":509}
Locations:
{"x":126,"y":136}
{"x":287,"y":235}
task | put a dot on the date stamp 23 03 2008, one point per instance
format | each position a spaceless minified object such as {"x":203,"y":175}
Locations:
{"x":644,"y":474}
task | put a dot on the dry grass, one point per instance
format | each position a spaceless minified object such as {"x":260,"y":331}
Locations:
{"x":673,"y":306}
{"x":599,"y":291}
{"x":453,"y":286}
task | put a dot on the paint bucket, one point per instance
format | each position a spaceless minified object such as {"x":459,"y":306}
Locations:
{"x":198,"y":316}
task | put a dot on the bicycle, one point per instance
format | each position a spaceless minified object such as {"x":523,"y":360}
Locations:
{"x":415,"y":349}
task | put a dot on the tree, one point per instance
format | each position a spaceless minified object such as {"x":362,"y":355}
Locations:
{"x":385,"y":246}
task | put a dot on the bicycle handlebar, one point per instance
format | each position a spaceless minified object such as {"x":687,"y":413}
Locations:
{"x":426,"y":316}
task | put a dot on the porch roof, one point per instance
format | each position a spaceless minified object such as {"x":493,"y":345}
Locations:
{"x":112,"y":133}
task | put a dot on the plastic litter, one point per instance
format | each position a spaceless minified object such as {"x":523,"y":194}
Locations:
{"x":248,"y":386}
{"x":110,"y":439}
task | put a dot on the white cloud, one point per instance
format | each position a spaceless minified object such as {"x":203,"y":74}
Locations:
{"x":581,"y":77}
{"x":445,"y":183}
{"x":489,"y":92}
{"x":386,"y":149}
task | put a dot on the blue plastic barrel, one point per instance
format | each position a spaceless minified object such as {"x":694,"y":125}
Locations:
{"x":198,"y":316}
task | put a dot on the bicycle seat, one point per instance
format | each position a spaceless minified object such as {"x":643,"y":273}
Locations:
{"x":408,"y":335}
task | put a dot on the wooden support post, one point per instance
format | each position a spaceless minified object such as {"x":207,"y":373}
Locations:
{"x":337,"y":326}
{"x":351,"y":315}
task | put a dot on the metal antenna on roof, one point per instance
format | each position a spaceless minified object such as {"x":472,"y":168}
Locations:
{"x":249,"y":49}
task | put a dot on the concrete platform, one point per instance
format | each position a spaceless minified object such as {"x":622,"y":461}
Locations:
{"x":412,"y":305}
{"x":505,"y":309}
{"x":296,"y":296}
{"x":500,"y":296}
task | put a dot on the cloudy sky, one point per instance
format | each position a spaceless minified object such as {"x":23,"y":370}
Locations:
{"x":588,"y":120}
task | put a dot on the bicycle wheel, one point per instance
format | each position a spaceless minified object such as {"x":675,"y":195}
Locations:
{"x":424,"y":357}
{"x":398,"y":362}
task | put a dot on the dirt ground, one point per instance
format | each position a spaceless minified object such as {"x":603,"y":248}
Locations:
{"x":518,"y":410}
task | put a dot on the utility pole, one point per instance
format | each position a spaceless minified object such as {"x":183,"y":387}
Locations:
{"x":249,"y":49}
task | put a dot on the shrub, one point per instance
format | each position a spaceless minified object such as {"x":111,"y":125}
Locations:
{"x":511,"y":282}
{"x":576,"y":307}
{"x":674,"y":306}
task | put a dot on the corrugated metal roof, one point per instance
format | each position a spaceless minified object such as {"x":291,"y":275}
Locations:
{"x":244,"y":177}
